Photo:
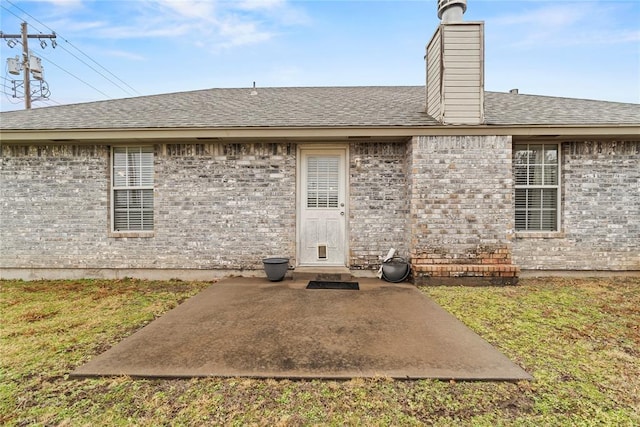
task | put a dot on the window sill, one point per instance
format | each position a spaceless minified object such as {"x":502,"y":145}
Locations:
{"x":540,"y":235}
{"x":131,"y":234}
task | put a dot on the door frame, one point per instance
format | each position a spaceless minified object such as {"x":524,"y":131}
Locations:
{"x":321,"y":149}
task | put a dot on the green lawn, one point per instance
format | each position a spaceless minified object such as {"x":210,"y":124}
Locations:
{"x":580,"y":339}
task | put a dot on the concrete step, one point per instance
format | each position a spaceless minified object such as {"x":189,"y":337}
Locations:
{"x":334,"y":274}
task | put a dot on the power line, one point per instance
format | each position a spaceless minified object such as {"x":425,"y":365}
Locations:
{"x":79,"y":50}
{"x":79,"y":59}
{"x":107,"y":78}
{"x":77,"y":78}
{"x":6,"y":82}
{"x":73,"y":75}
{"x":8,"y":10}
{"x":51,"y":102}
{"x":28,"y":54}
{"x":68,"y":72}
{"x":98,"y":72}
{"x":4,"y":86}
{"x":11,"y":98}
{"x":30,"y":63}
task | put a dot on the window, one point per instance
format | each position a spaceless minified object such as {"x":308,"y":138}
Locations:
{"x":536,"y":183}
{"x":132,"y":189}
{"x":322,"y":182}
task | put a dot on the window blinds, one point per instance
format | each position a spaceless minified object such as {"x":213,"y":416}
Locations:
{"x":132,"y":188}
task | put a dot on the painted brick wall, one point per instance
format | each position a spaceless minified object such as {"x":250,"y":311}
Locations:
{"x":225,"y":206}
{"x":379,"y":207}
{"x":461,"y":216}
{"x":600,"y":213}
{"x":445,"y":202}
{"x":217,"y":206}
{"x":53,"y":206}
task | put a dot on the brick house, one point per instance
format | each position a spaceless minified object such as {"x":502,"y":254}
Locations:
{"x":466,"y":184}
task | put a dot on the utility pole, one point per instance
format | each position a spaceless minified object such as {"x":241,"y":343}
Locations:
{"x":26,"y":58}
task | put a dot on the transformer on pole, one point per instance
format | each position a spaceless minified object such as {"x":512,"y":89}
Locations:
{"x":31,"y":65}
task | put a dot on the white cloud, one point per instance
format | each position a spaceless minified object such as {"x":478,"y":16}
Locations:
{"x":140,"y":30}
{"x":71,"y":26}
{"x":191,"y":8}
{"x":124,"y":54}
{"x":65,"y":3}
{"x":568,"y":24}
{"x":260,"y":4}
{"x":222,"y":23}
{"x":553,"y":16}
{"x":603,"y":37}
{"x":237,"y":32}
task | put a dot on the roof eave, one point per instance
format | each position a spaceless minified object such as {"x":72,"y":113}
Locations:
{"x":313,"y":133}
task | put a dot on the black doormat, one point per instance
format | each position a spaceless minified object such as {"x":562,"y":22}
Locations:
{"x":316,"y":284}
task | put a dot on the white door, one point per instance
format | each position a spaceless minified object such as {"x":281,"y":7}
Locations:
{"x":322,"y":219}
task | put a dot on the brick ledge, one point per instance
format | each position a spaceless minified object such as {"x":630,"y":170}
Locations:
{"x":466,"y":270}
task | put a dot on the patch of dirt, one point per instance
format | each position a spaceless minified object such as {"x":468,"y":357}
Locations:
{"x":35,"y":316}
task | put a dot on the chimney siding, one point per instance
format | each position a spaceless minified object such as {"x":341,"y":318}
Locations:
{"x":455,"y":73}
{"x":434,"y":76}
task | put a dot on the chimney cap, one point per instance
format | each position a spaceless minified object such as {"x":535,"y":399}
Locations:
{"x":514,"y":91}
{"x":444,"y":5}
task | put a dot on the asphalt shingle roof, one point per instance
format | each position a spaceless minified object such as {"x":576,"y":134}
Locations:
{"x":510,"y":109}
{"x":367,"y":106}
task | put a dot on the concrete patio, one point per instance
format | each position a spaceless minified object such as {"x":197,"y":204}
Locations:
{"x":250,"y":327}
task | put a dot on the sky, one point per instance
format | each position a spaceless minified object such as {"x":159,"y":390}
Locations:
{"x":110,"y":49}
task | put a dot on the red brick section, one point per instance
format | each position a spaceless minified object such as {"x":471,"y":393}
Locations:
{"x":466,"y":270}
{"x":485,"y":263}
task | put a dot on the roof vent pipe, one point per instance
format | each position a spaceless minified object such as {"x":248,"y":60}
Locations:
{"x":451,"y":10}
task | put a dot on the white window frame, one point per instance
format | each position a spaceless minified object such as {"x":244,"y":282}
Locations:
{"x":137,"y":183}
{"x":557,"y":186}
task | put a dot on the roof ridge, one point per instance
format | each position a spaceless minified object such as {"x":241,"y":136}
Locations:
{"x":560,"y":97}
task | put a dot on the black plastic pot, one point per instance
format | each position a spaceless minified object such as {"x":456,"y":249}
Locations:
{"x":275,"y":268}
{"x":395,"y":270}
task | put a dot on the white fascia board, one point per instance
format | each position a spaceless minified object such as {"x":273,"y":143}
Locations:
{"x":213,"y":134}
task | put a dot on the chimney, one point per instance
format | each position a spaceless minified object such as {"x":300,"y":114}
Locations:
{"x":451,"y":10}
{"x":455,"y":67}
